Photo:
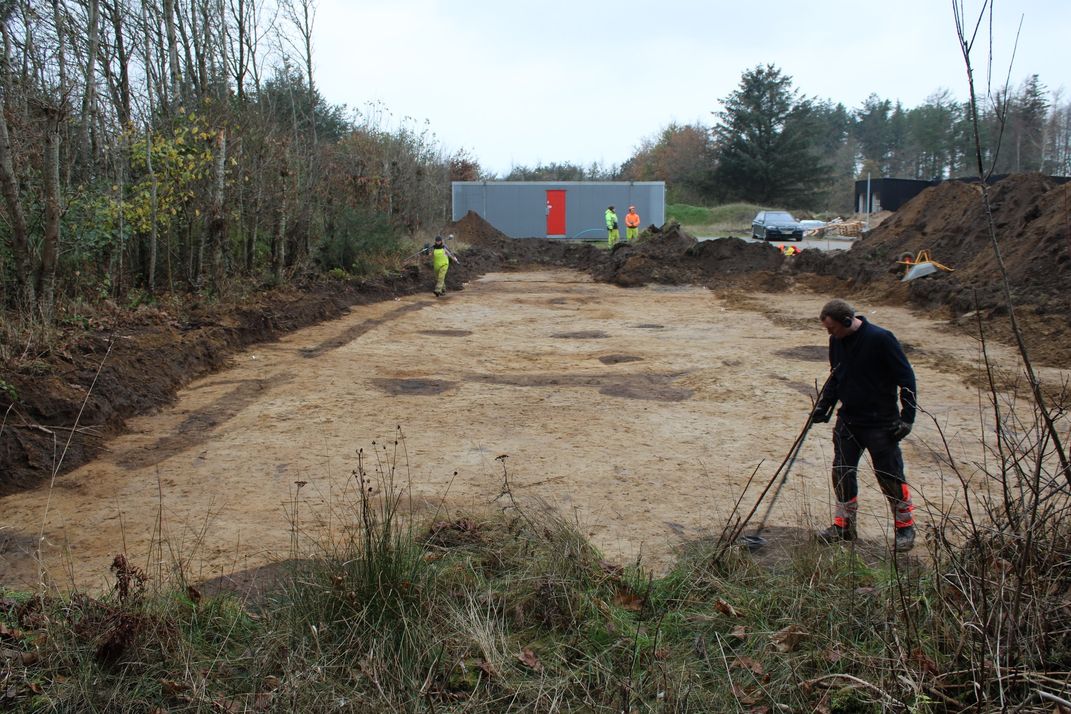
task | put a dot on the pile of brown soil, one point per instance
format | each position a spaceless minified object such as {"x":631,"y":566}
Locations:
{"x":669,"y":255}
{"x":475,"y":231}
{"x":493,"y":249}
{"x":1032,"y":215}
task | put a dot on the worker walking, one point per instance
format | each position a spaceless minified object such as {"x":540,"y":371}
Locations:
{"x":875,"y":385}
{"x":632,"y":224}
{"x":612,"y":234}
{"x":440,"y":263}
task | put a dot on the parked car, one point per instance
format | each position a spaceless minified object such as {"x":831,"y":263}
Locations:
{"x":776,"y":225}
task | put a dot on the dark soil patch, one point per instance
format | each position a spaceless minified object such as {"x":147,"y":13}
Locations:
{"x":649,"y":326}
{"x":647,"y":387}
{"x":581,"y":335}
{"x":356,"y":331}
{"x":198,"y":426}
{"x":619,"y":359}
{"x":414,"y":387}
{"x":806,"y":353}
{"x":446,"y":333}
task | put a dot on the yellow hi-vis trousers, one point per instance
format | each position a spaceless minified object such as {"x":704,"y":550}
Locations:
{"x":440,"y":277}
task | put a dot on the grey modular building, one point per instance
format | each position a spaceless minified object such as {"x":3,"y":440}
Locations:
{"x":559,"y":209}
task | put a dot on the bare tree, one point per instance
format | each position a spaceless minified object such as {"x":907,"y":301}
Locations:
{"x":20,"y":245}
{"x":46,"y":275}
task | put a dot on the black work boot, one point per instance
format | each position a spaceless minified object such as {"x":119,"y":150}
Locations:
{"x":905,"y":539}
{"x":837,"y":534}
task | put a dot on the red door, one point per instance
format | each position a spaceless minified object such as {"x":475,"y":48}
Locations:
{"x":555,"y":213}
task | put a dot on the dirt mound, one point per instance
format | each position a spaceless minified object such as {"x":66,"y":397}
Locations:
{"x":734,"y":255}
{"x":669,"y":255}
{"x":474,"y":230}
{"x":1032,"y":214}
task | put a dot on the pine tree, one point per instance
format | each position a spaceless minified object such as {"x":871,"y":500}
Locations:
{"x":765,"y":147}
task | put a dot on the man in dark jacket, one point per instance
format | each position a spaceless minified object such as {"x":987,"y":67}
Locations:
{"x":875,"y":385}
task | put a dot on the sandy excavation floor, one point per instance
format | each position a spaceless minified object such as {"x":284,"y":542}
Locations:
{"x":639,"y":412}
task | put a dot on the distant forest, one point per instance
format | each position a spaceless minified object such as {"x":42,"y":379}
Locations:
{"x":153,"y":147}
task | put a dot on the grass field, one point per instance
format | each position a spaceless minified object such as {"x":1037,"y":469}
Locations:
{"x":731,"y":219}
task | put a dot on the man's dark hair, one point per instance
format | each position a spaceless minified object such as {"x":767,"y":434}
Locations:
{"x":838,"y":310}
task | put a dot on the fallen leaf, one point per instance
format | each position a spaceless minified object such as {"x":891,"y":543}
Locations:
{"x":487,"y":668}
{"x":759,"y":710}
{"x":628,"y":600}
{"x":172,"y":688}
{"x":786,"y":639}
{"x":739,"y":632}
{"x":927,"y":664}
{"x":29,"y":658}
{"x":529,"y":658}
{"x":725,"y":608}
{"x":750,"y":664}
{"x":194,"y":594}
{"x":661,"y":654}
{"x":744,"y":696}
{"x":833,"y":655}
{"x":866,"y":590}
{"x":271,"y":682}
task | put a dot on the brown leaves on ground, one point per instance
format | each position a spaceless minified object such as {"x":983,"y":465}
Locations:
{"x":786,"y":639}
{"x":750,"y":664}
{"x":626,"y":599}
{"x":725,"y":608}
{"x":529,"y":659}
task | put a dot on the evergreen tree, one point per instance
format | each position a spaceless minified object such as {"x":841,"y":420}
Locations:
{"x":765,"y":148}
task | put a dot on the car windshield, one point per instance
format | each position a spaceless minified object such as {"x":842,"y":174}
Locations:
{"x":779,"y":216}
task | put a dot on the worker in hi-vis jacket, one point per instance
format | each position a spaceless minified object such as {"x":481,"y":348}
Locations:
{"x":632,"y":224}
{"x":612,"y":233}
{"x":440,"y":263}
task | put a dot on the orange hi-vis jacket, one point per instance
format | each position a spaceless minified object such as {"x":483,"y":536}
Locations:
{"x":632,"y":219}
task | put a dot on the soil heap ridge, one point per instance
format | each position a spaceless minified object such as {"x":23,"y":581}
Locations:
{"x":1031,"y":213}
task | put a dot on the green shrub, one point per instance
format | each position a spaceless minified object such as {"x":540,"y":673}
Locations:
{"x":358,"y":241}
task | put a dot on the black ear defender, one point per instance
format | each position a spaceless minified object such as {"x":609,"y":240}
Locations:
{"x":847,"y":320}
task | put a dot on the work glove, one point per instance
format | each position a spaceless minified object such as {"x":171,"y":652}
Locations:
{"x":821,"y":414}
{"x":900,"y":430}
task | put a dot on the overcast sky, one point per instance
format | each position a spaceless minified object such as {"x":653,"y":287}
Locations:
{"x":518,"y":82}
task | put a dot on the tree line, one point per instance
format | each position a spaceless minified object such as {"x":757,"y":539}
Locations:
{"x":771,"y":146}
{"x":151,"y":146}
{"x":174,"y":145}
